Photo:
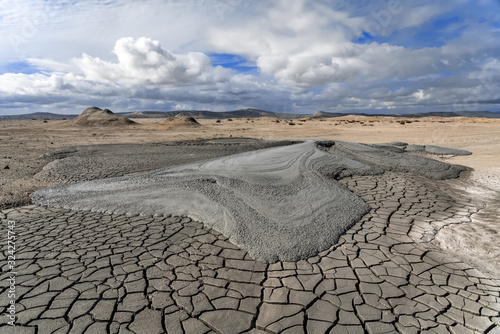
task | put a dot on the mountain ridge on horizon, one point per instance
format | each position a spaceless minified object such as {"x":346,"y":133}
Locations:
{"x":253,"y":113}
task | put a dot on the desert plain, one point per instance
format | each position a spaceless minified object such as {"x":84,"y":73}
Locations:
{"x":423,"y":259}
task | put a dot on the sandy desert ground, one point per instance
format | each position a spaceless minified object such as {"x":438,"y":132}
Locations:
{"x":454,"y":247}
{"x":28,"y":145}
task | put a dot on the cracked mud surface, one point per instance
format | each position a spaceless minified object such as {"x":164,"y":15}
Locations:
{"x":281,"y":203}
{"x":80,"y":271}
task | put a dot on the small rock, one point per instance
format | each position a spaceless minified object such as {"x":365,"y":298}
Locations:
{"x":6,"y":167}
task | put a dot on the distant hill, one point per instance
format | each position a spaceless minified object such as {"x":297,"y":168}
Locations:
{"x":148,"y":114}
{"x":485,"y":114}
{"x":253,"y":113}
{"x":324,"y":114}
{"x":204,"y":114}
{"x":39,"y":116}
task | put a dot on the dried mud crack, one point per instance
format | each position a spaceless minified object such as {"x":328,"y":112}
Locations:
{"x":282,"y":203}
{"x":81,"y":271}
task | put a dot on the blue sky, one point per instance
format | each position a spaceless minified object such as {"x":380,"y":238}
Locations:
{"x":234,"y":62}
{"x":281,"y":55}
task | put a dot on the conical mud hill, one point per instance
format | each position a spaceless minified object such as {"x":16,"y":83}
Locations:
{"x":94,"y":116}
{"x":318,"y":114}
{"x":180,"y":121}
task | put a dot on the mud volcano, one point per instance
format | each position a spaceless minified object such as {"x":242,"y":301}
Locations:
{"x":94,"y":116}
{"x":180,"y":121}
{"x":278,"y":204}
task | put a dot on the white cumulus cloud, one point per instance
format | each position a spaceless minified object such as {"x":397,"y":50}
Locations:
{"x":144,"y":61}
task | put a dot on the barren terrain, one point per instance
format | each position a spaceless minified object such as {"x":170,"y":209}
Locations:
{"x":424,"y":259}
{"x":27,"y":146}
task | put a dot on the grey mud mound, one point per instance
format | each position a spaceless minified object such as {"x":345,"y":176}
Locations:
{"x":378,"y":158}
{"x":94,"y":116}
{"x":92,"y":162}
{"x":180,"y":121}
{"x":436,"y":150}
{"x":278,"y":204}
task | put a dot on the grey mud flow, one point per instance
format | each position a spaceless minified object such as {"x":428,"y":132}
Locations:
{"x":281,"y":203}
